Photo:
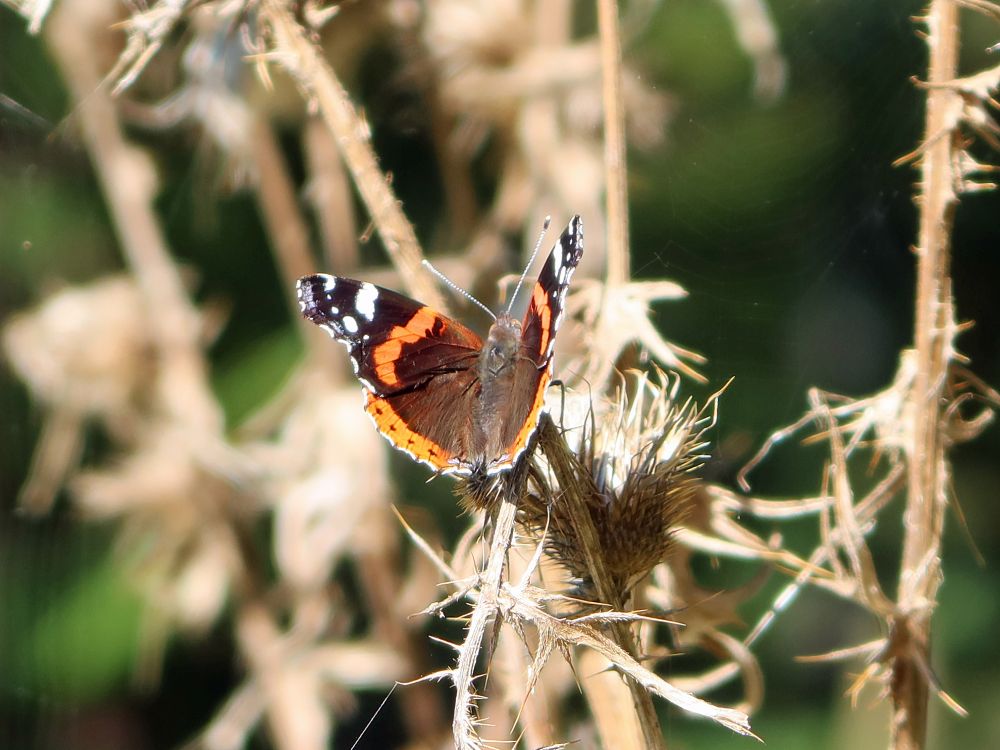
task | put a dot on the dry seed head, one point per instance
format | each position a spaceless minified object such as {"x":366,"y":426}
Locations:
{"x":174,"y":526}
{"x":483,"y":33}
{"x":635,"y":460}
{"x":494,"y":61}
{"x":85,"y":348}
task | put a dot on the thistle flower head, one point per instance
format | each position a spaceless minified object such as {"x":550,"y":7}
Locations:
{"x":630,"y":466}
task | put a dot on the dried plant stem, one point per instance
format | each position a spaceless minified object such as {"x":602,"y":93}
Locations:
{"x":485,"y":612}
{"x":279,"y":207}
{"x":267,"y":652}
{"x":614,"y":142}
{"x":329,"y":192}
{"x":927,"y":473}
{"x":571,"y":481}
{"x":301,"y":58}
{"x":75,"y":33}
{"x":58,"y":450}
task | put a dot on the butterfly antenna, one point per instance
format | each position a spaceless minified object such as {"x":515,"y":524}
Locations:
{"x":427,"y":264}
{"x":524,"y":273}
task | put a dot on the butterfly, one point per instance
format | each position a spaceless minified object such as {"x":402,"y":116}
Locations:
{"x":434,"y":388}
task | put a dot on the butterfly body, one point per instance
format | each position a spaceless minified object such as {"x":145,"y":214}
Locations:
{"x":433,"y":387}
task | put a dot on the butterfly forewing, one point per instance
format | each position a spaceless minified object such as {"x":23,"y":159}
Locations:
{"x":538,"y":330}
{"x":548,"y":296}
{"x":415,"y":364}
{"x":396,"y":344}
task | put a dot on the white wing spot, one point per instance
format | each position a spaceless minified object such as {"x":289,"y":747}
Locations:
{"x":556,"y":262}
{"x":350,"y":324}
{"x":329,"y":283}
{"x":364,"y":301}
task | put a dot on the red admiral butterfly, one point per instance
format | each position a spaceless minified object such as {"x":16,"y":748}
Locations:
{"x":433,"y":388}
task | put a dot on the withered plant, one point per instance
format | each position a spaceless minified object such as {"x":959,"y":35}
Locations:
{"x":576,"y":570}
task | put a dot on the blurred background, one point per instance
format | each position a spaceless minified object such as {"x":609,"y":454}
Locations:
{"x":772,"y":200}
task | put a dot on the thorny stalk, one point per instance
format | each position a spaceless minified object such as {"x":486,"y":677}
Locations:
{"x":521,"y":604}
{"x":300,"y":57}
{"x":912,"y":423}
{"x":642,"y":713}
{"x":464,"y":718}
{"x":927,"y":470}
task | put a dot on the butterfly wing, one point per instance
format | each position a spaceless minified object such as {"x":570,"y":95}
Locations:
{"x":538,"y":331}
{"x":417,"y":366}
{"x":548,"y":296}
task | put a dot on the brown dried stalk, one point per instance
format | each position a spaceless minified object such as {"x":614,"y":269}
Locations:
{"x":301,"y":58}
{"x":571,"y":480}
{"x":279,"y":209}
{"x":927,"y":467}
{"x":615,"y":169}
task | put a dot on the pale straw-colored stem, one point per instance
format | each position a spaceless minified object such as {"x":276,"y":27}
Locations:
{"x":615,"y":167}
{"x":294,"y":51}
{"x":927,"y":473}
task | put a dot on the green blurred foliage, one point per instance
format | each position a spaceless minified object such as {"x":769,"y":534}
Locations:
{"x":86,"y":642}
{"x":785,"y":222}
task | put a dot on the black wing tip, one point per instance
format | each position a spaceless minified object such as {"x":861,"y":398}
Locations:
{"x":311,"y":290}
{"x":572,"y":240}
{"x":311,"y":281}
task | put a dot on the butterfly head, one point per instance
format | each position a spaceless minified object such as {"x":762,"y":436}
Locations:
{"x":501,"y":348}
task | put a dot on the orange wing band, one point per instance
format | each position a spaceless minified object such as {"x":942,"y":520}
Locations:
{"x":394,"y":428}
{"x":386,"y":354}
{"x":540,"y":302}
{"x":532,"y":422}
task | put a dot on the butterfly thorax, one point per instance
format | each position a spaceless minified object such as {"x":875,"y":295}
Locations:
{"x":500,"y":352}
{"x":497,"y":376}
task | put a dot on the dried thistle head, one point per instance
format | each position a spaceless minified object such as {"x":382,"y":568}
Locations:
{"x":632,"y":473}
{"x":174,"y":514}
{"x":325,"y":473}
{"x":86,"y":349}
{"x":467,"y":35}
